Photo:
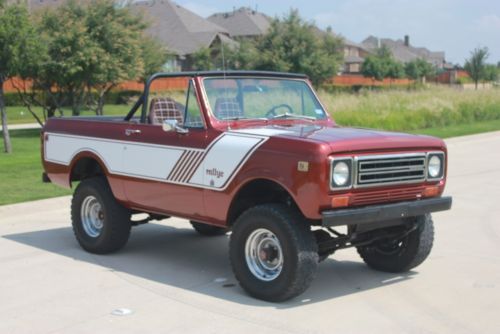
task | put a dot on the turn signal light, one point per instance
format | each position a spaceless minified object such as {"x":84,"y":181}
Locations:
{"x":431,"y":191}
{"x":340,"y":201}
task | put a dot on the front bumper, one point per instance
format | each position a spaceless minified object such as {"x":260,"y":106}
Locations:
{"x":379,"y":213}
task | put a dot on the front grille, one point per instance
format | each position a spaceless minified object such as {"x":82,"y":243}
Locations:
{"x":390,"y":169}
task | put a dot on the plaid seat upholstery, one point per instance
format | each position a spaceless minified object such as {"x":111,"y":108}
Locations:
{"x":162,"y":108}
{"x":227,"y":107}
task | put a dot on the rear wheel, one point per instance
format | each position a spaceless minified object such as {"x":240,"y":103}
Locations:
{"x":101,"y":225}
{"x":400,"y":255}
{"x":273,"y":252}
{"x":208,"y":230}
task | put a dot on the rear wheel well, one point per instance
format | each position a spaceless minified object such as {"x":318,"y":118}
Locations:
{"x":85,"y":168}
{"x":257,"y":192}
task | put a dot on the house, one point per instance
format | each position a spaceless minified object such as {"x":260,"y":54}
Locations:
{"x":354,"y":56}
{"x":242,"y":23}
{"x":181,"y":31}
{"x":404,"y":52}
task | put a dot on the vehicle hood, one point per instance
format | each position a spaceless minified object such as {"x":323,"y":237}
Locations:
{"x":343,"y":139}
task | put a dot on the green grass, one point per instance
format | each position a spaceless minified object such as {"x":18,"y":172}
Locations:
{"x":461,"y":129}
{"x":21,"y":171}
{"x":435,"y":107}
{"x":21,"y":115}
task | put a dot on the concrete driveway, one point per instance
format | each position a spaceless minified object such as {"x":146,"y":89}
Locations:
{"x":170,"y":280}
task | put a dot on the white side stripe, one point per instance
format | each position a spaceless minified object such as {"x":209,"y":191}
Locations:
{"x":212,"y":168}
{"x":225,"y":158}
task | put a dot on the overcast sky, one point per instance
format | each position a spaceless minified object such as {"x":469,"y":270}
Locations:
{"x":453,"y":26}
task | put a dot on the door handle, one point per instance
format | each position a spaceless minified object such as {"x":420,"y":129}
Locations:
{"x":129,"y":132}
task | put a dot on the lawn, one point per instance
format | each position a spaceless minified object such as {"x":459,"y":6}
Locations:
{"x":403,"y":110}
{"x":460,"y":129}
{"x":21,"y":171}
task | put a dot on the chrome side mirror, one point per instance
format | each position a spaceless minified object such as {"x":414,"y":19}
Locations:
{"x":169,"y":125}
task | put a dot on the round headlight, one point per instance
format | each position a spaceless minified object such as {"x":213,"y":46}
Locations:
{"x":434,"y":167}
{"x":340,"y":174}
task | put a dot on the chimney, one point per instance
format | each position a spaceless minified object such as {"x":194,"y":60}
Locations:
{"x":407,"y":40}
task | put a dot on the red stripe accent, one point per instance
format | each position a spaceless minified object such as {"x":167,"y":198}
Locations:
{"x":187,"y":167}
{"x":176,"y":165}
{"x":197,"y":161}
{"x":180,"y":168}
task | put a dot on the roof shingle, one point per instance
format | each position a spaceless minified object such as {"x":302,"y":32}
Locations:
{"x":242,"y":22}
{"x":182,"y":31}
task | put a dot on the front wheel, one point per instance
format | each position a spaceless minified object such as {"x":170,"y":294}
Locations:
{"x":273,"y":252}
{"x":400,"y":255}
{"x":101,"y":225}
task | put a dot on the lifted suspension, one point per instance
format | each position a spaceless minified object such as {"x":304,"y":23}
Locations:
{"x":330,"y":240}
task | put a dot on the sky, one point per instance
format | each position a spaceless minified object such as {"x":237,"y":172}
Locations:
{"x":453,"y":26}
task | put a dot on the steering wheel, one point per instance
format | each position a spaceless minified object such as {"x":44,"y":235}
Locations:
{"x":271,"y":113}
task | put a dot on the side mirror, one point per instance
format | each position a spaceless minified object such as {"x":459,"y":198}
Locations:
{"x":171,"y":125}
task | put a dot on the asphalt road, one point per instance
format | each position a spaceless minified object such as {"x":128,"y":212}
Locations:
{"x":170,"y":280}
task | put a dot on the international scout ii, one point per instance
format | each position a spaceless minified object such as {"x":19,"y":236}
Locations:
{"x":255,"y":154}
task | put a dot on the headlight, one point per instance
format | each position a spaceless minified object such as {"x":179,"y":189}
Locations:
{"x":435,"y":165}
{"x":341,"y":173}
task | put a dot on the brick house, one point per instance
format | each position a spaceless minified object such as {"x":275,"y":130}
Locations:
{"x":354,"y":56}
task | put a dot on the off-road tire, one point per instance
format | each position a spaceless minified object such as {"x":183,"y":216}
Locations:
{"x":299,"y":249}
{"x":412,"y":251}
{"x":208,"y":230}
{"x":116,"y":218}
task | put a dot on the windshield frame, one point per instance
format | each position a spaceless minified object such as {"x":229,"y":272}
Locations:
{"x":263,"y":119}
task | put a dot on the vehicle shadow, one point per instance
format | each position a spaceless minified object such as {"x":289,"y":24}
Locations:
{"x":179,"y":257}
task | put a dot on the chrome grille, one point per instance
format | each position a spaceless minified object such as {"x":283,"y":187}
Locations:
{"x":390,"y":169}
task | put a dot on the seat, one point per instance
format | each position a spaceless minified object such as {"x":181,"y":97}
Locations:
{"x":227,"y":107}
{"x":163,"y":108}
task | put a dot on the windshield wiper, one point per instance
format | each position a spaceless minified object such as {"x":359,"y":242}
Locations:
{"x":287,"y":115}
{"x":242,"y":118}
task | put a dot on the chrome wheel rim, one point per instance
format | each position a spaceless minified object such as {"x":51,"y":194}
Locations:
{"x":264,"y":255}
{"x":92,"y":216}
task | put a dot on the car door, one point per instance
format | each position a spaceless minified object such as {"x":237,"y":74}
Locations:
{"x":158,"y":164}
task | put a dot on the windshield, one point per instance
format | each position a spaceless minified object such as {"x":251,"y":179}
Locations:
{"x":251,"y":98}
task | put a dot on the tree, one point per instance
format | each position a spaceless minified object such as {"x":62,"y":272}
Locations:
{"x":491,"y":73}
{"x":90,"y":48}
{"x":292,"y":45}
{"x":201,"y":60}
{"x":154,"y":57}
{"x":117,"y":36}
{"x":418,"y":69}
{"x":18,"y":47}
{"x":242,"y":57}
{"x":381,"y":65}
{"x":475,"y":65}
{"x":372,"y":67}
